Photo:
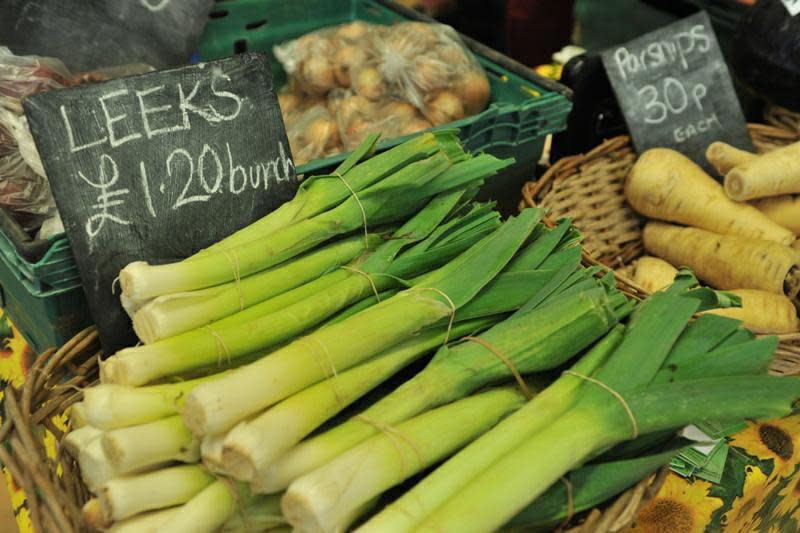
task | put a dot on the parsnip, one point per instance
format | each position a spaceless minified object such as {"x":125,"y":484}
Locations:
{"x":763,"y":312}
{"x":653,"y":274}
{"x":667,"y":185}
{"x":724,"y":157}
{"x":727,"y":262}
{"x":783,"y":210}
{"x":771,"y":174}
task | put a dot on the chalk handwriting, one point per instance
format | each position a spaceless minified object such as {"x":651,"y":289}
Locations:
{"x":120,"y":124}
{"x":107,"y":199}
{"x":670,"y":96}
{"x":662,"y":53}
{"x":155,"y":5}
{"x":792,"y":6}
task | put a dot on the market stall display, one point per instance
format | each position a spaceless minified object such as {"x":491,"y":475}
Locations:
{"x":216,"y":444}
{"x":384,"y":351}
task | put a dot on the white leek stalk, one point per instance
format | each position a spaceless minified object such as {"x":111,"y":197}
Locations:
{"x":124,"y":497}
{"x":77,"y":439}
{"x":252,"y":445}
{"x":77,"y":416}
{"x":206,"y":512}
{"x":151,"y":522}
{"x":175,"y":313}
{"x":96,"y":469}
{"x":211,"y":451}
{"x":329,"y":498}
{"x":136,"y":447}
{"x":108,"y":406}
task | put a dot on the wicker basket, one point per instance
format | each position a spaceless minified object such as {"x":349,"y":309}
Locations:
{"x":53,"y":486}
{"x":588,"y":188}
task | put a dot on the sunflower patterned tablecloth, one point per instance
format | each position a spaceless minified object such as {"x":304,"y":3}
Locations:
{"x":759,"y":491}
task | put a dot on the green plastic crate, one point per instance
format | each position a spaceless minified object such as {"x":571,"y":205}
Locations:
{"x":44,"y":299}
{"x":524,"y":107}
{"x":46,"y":318}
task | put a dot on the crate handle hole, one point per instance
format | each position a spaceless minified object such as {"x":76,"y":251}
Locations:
{"x":222,"y":13}
{"x":256,"y":24}
{"x":240,"y":46}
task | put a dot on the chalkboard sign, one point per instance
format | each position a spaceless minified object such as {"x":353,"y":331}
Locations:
{"x":792,"y":6}
{"x":157,"y":166}
{"x":675,"y":90}
{"x":91,"y":34}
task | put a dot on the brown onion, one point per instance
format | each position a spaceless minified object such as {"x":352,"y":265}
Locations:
{"x":430,"y":74}
{"x":474,"y":91}
{"x":443,"y":107}
{"x":353,"y":31}
{"x":369,"y":83}
{"x":321,"y":133}
{"x":399,"y":110}
{"x":415,"y":125}
{"x":347,"y":60}
{"x":318,"y":74}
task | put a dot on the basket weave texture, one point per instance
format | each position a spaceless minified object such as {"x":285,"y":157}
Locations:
{"x":51,"y":481}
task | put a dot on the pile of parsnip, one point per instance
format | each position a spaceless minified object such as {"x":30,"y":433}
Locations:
{"x":740,"y":237}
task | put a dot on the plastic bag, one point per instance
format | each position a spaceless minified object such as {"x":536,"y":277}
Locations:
{"x":313,"y":133}
{"x":21,"y":76}
{"x":428,"y":66}
{"x":395,"y":80}
{"x":24,"y":189}
{"x":321,"y":61}
{"x":358,"y":117}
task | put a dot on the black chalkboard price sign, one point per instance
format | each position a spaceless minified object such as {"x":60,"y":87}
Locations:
{"x":675,"y":90}
{"x":90,"y":34}
{"x":158,"y":166}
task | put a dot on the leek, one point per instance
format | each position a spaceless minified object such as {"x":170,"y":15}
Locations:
{"x":524,"y":474}
{"x":127,"y":496}
{"x":77,"y":439}
{"x":206,"y":512}
{"x":215,"y":407}
{"x":263,"y":326}
{"x":390,"y":200}
{"x":532,"y":341}
{"x":108,"y":406}
{"x":546,"y":407}
{"x":169,"y":315}
{"x":590,"y":486}
{"x":319,"y":193}
{"x":137,"y":447}
{"x":330,"y":498}
{"x":96,"y":469}
{"x":253,"y":444}
{"x":598,"y":420}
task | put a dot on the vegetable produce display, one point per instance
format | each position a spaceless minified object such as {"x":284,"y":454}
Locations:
{"x":349,"y":81}
{"x":748,"y":249}
{"x":383,"y":353}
